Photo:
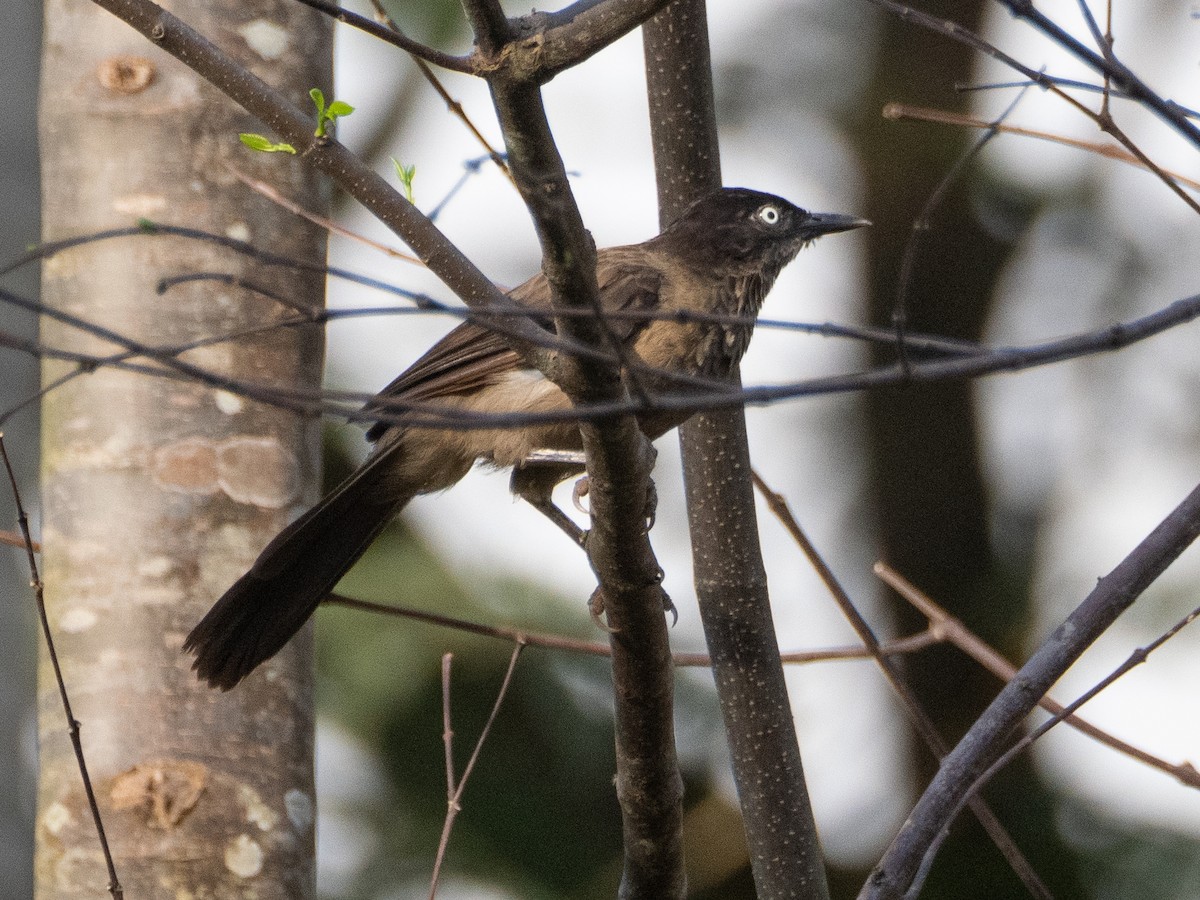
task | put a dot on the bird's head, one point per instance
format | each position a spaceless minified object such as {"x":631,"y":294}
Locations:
{"x":748,"y":230}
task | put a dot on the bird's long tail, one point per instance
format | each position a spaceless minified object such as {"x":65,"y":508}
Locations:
{"x":294,"y":573}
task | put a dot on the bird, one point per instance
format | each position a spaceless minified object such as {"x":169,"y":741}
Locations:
{"x":682,"y":307}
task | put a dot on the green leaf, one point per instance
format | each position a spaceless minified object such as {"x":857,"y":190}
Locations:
{"x":264,"y":145}
{"x":338,"y":108}
{"x":318,"y":98}
{"x":406,"y":174}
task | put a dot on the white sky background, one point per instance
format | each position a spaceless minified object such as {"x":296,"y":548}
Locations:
{"x":1111,"y":462}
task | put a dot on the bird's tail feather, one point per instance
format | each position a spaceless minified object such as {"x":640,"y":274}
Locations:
{"x":293,"y":574}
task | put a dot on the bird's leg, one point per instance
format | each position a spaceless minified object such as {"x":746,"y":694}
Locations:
{"x":534,"y":481}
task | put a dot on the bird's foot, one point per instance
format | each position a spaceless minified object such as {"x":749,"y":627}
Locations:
{"x":583,"y":487}
{"x":596,"y":610}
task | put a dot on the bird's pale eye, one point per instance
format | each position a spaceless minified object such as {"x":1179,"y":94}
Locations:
{"x":768,"y":215}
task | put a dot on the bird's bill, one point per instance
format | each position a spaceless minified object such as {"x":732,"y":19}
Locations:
{"x":818,"y":224}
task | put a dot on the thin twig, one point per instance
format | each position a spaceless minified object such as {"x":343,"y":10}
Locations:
{"x":349,"y":404}
{"x":394,"y":37}
{"x":268,"y":191}
{"x":1064,"y":714}
{"x":911,"y":644}
{"x":73,"y":726}
{"x":453,"y":105}
{"x":426,"y":303}
{"x":447,"y":728}
{"x":917,"y":716}
{"x":1073,"y":83}
{"x":900,"y":111}
{"x":1108,"y":66}
{"x":957,"y":633}
{"x":454,"y":792}
{"x":16,"y":540}
{"x":920,"y":226}
{"x":1130,"y":82}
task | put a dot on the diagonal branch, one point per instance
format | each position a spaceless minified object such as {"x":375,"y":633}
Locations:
{"x":983,"y":743}
{"x":953,"y":630}
{"x":1109,"y":66}
{"x":392,"y":36}
{"x":350,"y":173}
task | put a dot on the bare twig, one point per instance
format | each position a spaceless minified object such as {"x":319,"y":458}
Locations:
{"x":924,"y":342}
{"x":1107,"y":65}
{"x":17,"y":540}
{"x":979,"y":650}
{"x":1121,"y":76}
{"x":268,"y":191}
{"x":349,"y":404}
{"x":73,"y":726}
{"x":920,"y":226}
{"x":391,"y":36}
{"x":917,"y":716}
{"x":896,"y":872}
{"x":454,"y":791}
{"x":453,"y":105}
{"x":945,"y":117}
{"x":911,"y":644}
{"x":1072,"y":83}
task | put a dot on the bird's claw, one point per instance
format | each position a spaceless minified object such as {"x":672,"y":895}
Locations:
{"x":651,"y":507}
{"x":668,"y":605}
{"x":578,"y":492}
{"x":596,"y":610}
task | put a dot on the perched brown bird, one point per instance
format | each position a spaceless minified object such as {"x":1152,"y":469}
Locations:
{"x":719,"y":258}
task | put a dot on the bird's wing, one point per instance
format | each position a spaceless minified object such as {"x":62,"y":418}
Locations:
{"x":468,"y":358}
{"x":472,"y":357}
{"x":629,"y":285}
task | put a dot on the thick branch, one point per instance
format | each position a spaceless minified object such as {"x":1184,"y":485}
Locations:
{"x":583,"y":29}
{"x":785,"y":854}
{"x":488,"y":24}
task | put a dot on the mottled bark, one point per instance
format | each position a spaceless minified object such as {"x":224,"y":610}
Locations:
{"x":157,"y":493}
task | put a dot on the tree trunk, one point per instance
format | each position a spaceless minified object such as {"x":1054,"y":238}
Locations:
{"x":730,"y":578}
{"x":159,"y":491}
